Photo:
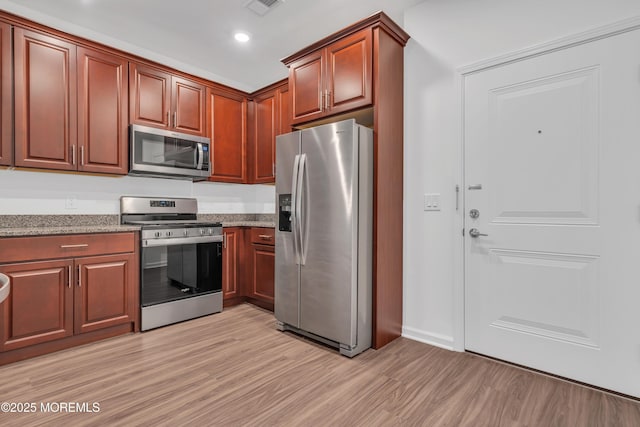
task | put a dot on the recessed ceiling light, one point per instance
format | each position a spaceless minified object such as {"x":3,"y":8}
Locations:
{"x":241,"y":37}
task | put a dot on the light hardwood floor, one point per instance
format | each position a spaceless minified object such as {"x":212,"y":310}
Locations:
{"x":234,"y":368}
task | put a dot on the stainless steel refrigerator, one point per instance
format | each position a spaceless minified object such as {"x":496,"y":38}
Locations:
{"x":324,"y":194}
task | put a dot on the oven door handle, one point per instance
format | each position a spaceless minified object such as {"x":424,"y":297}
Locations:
{"x":147,"y":243}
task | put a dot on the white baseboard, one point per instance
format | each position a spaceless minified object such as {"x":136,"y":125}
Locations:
{"x":437,"y":340}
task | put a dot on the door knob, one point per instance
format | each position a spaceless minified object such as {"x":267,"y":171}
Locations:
{"x":475,"y":233}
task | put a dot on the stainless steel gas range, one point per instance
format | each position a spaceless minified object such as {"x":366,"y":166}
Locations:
{"x":180,"y":261}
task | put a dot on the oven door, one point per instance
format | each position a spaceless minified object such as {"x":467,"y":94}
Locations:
{"x":172,"y":272}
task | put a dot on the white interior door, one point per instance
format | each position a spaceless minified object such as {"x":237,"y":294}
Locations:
{"x":554,"y":142}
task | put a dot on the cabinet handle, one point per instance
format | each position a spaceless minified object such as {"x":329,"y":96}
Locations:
{"x":168,"y":119}
{"x":79,"y":277}
{"x":322,"y":102}
{"x":224,"y":241}
{"x":73,"y":154}
{"x":264,"y":236}
{"x":82,"y":155}
{"x":69,"y":282}
{"x":328,"y":99}
{"x":82,"y":245}
{"x":175,"y":119}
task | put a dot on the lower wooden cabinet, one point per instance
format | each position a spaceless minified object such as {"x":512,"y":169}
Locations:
{"x":249,"y":266}
{"x":62,"y":298}
{"x":232,"y":243}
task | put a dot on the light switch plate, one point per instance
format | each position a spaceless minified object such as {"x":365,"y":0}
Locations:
{"x":432,"y":201}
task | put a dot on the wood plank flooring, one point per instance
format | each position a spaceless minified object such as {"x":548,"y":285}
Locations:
{"x":235,"y":369}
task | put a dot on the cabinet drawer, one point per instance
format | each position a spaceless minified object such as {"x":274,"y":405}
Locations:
{"x":15,"y":249}
{"x":264,"y":236}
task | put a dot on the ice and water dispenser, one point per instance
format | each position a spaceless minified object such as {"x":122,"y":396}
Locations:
{"x":284,"y":212}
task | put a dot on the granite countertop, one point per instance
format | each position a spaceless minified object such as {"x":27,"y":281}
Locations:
{"x":41,"y":225}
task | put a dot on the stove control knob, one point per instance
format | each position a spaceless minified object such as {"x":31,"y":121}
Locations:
{"x":202,"y":230}
{"x":156,"y":234}
{"x":168,"y":234}
{"x":211,"y":231}
{"x":186,"y":232}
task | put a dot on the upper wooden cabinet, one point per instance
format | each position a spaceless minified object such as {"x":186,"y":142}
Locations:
{"x":102,"y":112}
{"x":159,"y":98}
{"x":332,"y":80}
{"x":227,"y":129}
{"x":269,"y":118}
{"x":6,"y":107}
{"x":70,"y":105}
{"x":45,"y":101}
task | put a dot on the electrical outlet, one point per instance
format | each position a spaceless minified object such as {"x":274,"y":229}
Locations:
{"x":432,"y":201}
{"x":71,"y":203}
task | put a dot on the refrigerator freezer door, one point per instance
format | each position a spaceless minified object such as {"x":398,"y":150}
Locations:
{"x":287,"y":272}
{"x":328,"y":276}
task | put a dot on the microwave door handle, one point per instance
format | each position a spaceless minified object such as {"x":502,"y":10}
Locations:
{"x":199,"y":156}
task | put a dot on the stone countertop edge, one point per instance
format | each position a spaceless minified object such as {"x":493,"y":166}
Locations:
{"x":265,"y":224}
{"x":45,"y":231}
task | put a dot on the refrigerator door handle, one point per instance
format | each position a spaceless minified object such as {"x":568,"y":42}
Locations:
{"x":301,"y":220}
{"x":294,"y":203}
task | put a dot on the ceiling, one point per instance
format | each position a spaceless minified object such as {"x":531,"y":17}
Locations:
{"x":196,"y":36}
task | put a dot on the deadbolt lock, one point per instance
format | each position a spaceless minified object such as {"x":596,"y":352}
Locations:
{"x":474,"y":213}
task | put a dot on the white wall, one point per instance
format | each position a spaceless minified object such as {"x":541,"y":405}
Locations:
{"x":448,"y":34}
{"x":25,"y":192}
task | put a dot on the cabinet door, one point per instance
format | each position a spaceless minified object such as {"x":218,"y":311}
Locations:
{"x":45,"y":101}
{"x":150,"y":95}
{"x":230,"y":255}
{"x":102,"y":112}
{"x":188,"y":106}
{"x":348,"y":69}
{"x":262,"y":283}
{"x":227,"y":120}
{"x":307,"y":88}
{"x":265,"y":138}
{"x":104,"y":294}
{"x":284,"y":110}
{"x":39,"y":307}
{"x":6,"y":119}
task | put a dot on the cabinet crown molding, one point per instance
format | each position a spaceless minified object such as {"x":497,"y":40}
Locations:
{"x":378,"y":19}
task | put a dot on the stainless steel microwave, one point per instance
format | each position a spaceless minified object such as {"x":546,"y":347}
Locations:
{"x":163,"y":153}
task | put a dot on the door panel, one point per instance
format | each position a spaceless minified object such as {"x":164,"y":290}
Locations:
{"x":327,"y":285}
{"x":104,"y":292}
{"x":552,"y":140}
{"x":102,"y":112}
{"x":189,"y":109}
{"x":45,"y":101}
{"x":349,"y":69}
{"x":40,"y":306}
{"x":307,"y":84}
{"x":6,"y":107}
{"x":286,"y":305}
{"x":150,"y":97}
{"x":227,"y":118}
{"x":264,"y":154}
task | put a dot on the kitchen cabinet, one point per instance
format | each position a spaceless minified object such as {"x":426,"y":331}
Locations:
{"x":103,"y":137}
{"x":334,"y":79}
{"x":6,"y":106}
{"x":67,"y":290}
{"x":161,"y":99}
{"x":231,"y":253}
{"x":227,"y":129}
{"x":45,"y":101}
{"x":270,"y":117}
{"x":70,"y":106}
{"x":358,"y":72}
{"x":262,"y":261}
